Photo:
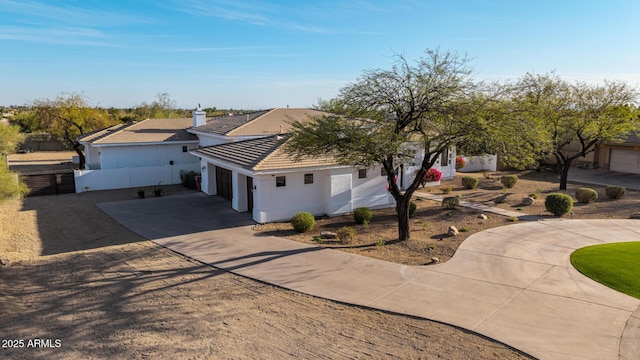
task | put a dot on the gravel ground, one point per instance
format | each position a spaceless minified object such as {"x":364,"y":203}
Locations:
{"x":85,"y":287}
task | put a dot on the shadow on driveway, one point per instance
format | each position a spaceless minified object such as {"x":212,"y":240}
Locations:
{"x":167,"y":216}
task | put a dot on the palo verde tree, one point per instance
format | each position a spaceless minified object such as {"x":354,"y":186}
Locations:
{"x":68,"y":116}
{"x":575,"y":118}
{"x":390,"y":117}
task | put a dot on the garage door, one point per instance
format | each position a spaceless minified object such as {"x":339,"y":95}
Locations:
{"x":625,"y":161}
{"x":223,"y":183}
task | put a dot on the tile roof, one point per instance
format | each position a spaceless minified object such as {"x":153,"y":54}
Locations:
{"x":259,"y":155}
{"x":146,"y":131}
{"x":222,"y":125}
{"x":264,"y":122}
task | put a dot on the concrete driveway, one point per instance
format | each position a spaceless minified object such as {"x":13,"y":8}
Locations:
{"x":514,"y":284}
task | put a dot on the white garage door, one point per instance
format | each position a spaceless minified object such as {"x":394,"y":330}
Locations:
{"x":625,"y":161}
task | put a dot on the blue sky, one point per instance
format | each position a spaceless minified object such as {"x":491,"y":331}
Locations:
{"x":253,"y":54}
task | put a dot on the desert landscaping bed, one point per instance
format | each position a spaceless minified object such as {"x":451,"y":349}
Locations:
{"x":430,"y":223}
{"x":76,"y":276}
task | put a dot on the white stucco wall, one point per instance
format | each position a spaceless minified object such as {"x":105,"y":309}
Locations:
{"x":130,"y":177}
{"x":92,"y":157}
{"x":479,"y":163}
{"x":116,"y":157}
{"x":273,"y":203}
{"x":334,"y":192}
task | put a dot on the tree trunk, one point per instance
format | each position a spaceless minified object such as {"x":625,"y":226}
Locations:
{"x":564,"y":174}
{"x":81,"y":158}
{"x":402,"y":208}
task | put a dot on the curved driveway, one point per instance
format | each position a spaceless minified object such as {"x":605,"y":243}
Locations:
{"x":514,"y":283}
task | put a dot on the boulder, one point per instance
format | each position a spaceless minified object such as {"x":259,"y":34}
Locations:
{"x":435,"y":260}
{"x":635,"y":215}
{"x":453,"y":231}
{"x":482,"y":216}
{"x":328,"y":235}
{"x":528,"y":201}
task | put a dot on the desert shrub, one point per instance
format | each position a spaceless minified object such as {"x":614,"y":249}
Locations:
{"x":615,"y":192}
{"x":303,"y":221}
{"x":412,"y":208}
{"x":586,"y":195}
{"x":346,"y":234}
{"x":509,"y":181}
{"x":534,"y":195}
{"x":451,"y":202}
{"x":470,"y":182}
{"x":558,"y":204}
{"x":188,"y":178}
{"x":362,"y":215}
{"x":447,"y":189}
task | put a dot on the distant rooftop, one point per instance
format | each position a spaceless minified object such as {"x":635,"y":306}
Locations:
{"x":150,"y":130}
{"x":264,"y":122}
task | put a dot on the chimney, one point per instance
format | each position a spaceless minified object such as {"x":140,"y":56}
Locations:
{"x":199,"y":117}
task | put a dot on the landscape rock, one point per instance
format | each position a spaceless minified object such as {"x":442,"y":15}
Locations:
{"x":328,"y":235}
{"x":453,"y":231}
{"x":635,"y":215}
{"x":435,"y":260}
{"x":4,"y":261}
{"x":482,"y":216}
{"x":528,"y":201}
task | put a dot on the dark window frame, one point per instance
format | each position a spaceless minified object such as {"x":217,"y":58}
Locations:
{"x":281,"y":181}
{"x":362,"y":173}
{"x":308,"y":178}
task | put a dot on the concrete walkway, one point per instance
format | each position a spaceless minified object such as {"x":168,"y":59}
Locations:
{"x":473,"y":205}
{"x":514,"y":283}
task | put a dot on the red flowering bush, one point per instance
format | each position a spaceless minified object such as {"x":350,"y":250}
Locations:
{"x":460,"y":163}
{"x":432,"y":175}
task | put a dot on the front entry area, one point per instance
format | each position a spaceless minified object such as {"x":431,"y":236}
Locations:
{"x":224,"y":183}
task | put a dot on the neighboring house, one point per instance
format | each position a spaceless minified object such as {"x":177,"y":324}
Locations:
{"x":248,"y":166}
{"x":144,"y":153}
{"x":620,"y":157}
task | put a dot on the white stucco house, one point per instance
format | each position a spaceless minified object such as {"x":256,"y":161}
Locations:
{"x":243,"y":161}
{"x":240,"y":158}
{"x":144,"y":153}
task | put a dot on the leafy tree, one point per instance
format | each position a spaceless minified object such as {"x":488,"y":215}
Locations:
{"x":574,"y":119}
{"x":390,"y":116}
{"x":162,"y":107}
{"x":10,"y":185}
{"x":69,"y":116}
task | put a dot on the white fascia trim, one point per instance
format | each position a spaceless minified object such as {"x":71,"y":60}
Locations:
{"x":149,"y":143}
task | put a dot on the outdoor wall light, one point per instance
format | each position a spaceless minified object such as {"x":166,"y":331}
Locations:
{"x":204,"y":168}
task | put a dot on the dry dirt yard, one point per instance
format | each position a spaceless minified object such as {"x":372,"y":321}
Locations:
{"x":431,"y":221}
{"x":104,"y":292}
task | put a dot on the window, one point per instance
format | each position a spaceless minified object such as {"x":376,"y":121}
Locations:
{"x":308,"y":178}
{"x":362,"y":173}
{"x":184,"y":148}
{"x":444,"y":157}
{"x":281,"y":181}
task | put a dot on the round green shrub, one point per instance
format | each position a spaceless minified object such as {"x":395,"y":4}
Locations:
{"x":470,"y":182}
{"x":586,"y":195}
{"x":412,"y":208}
{"x":447,"y":189}
{"x":534,"y":195}
{"x":303,"y":221}
{"x":362,"y":215}
{"x":346,"y":234}
{"x":451,"y":202}
{"x":509,"y":181}
{"x":558,"y":204}
{"x":615,"y":192}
